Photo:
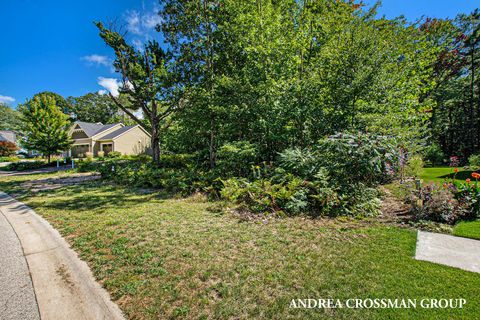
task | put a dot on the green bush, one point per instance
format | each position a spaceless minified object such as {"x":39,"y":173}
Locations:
{"x":114,"y":154}
{"x":414,"y":166}
{"x":354,"y":158}
{"x":437,"y":204}
{"x":26,"y":165}
{"x":87,"y":165}
{"x":236,"y":159}
{"x":177,"y":161}
{"x":434,"y":155}
{"x":474,"y":161}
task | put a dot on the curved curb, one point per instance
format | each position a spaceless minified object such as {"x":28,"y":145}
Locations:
{"x":64,"y":285}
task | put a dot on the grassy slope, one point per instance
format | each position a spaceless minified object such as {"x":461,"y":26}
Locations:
{"x":164,"y":258}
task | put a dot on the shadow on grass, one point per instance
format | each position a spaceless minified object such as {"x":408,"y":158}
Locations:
{"x":90,"y":196}
{"x":462,"y":175}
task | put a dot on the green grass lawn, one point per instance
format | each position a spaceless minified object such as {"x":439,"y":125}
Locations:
{"x":439,"y":174}
{"x":163,"y":257}
{"x":467,"y":229}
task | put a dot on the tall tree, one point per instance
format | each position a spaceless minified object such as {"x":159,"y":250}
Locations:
{"x":45,"y":126}
{"x":146,"y":82}
{"x":285,"y":73}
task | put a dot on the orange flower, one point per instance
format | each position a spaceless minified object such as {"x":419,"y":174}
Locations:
{"x":475,"y":175}
{"x":444,"y":186}
{"x":455,"y":170}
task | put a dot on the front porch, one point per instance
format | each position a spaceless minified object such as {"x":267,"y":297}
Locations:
{"x":80,"y":149}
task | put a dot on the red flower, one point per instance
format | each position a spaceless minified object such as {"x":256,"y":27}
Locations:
{"x":455,"y":170}
{"x":475,"y":175}
{"x":468,"y":180}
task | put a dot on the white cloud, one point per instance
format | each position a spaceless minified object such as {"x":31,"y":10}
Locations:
{"x":141,"y":23}
{"x":97,"y":59}
{"x":6,"y":99}
{"x":150,"y":20}
{"x":102,"y":92}
{"x":133,"y":22}
{"x":110,"y":84}
{"x":138,"y":44}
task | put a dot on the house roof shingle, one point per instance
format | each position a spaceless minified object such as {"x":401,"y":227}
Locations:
{"x":116,"y":133}
{"x":92,"y":129}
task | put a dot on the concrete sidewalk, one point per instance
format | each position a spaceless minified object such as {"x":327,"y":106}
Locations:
{"x":63,"y":284}
{"x":448,"y":250}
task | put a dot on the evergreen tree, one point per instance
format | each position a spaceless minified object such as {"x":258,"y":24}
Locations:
{"x":45,"y":126}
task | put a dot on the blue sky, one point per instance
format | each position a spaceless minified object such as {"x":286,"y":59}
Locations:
{"x":52,"y":45}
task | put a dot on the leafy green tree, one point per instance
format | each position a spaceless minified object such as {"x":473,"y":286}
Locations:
{"x":9,"y":118}
{"x":146,"y":82}
{"x":94,"y":107}
{"x":286,"y":73}
{"x":45,"y":125}
{"x":455,"y":121}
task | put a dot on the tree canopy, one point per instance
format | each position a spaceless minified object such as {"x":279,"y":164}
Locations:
{"x":9,"y":118}
{"x":44,"y":124}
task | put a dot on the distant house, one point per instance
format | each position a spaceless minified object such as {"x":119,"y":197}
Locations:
{"x":8,"y":135}
{"x":95,"y":137}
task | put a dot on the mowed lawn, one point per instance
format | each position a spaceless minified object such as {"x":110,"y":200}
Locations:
{"x":440,"y":174}
{"x":163,"y":257}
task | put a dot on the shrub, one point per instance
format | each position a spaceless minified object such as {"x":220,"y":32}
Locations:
{"x":291,"y":195}
{"x":414,"y":166}
{"x":114,"y":154}
{"x":434,"y":154}
{"x":26,"y":165}
{"x":177,"y":161}
{"x":356,"y":158}
{"x":468,"y":194}
{"x":474,"y":161}
{"x":89,"y":155}
{"x":101,"y":154}
{"x":7,"y":148}
{"x":349,"y":158}
{"x":266,"y":196}
{"x":236,"y":158}
{"x":87,"y":165}
{"x":438,"y":204}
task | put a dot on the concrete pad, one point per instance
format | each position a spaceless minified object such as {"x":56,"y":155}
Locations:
{"x":17,"y":297}
{"x":64,"y":285}
{"x":462,"y":253}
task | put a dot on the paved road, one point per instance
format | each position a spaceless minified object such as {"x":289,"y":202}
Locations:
{"x":17,"y":298}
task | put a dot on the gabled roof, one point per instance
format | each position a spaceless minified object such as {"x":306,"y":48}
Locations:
{"x":116,"y":133}
{"x":92,"y":129}
{"x":7,"y":135}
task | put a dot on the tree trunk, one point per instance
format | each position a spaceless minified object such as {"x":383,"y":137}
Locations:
{"x":212,"y":149}
{"x":155,"y":141}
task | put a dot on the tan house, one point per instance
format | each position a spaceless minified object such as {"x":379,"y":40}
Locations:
{"x":95,"y":137}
